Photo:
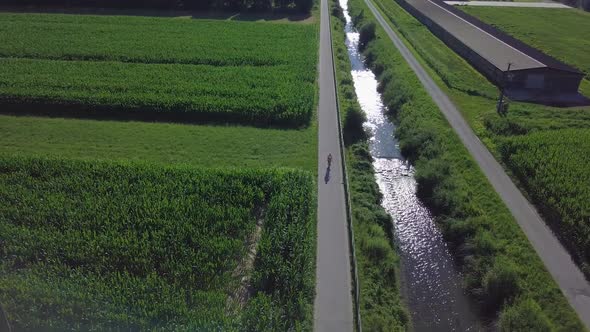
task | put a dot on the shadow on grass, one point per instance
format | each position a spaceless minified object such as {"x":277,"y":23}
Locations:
{"x":143,"y":114}
{"x":210,"y":15}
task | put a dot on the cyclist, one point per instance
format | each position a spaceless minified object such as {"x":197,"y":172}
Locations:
{"x":329,"y":160}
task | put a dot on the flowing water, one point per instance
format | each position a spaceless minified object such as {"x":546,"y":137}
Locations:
{"x":431,"y":283}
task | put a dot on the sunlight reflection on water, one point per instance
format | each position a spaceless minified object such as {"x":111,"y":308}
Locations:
{"x":431,"y":283}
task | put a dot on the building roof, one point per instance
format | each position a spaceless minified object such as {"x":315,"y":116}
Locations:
{"x":495,"y":46}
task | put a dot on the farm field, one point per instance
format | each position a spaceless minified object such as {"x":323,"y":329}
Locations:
{"x":559,"y":39}
{"x":523,"y":119}
{"x":95,"y":245}
{"x":481,"y":231}
{"x":188,"y":70}
{"x":163,"y":143}
{"x":551,"y":165}
{"x":116,"y":223}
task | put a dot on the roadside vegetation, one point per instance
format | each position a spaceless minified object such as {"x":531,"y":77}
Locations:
{"x":241,"y":72}
{"x":381,"y":306}
{"x":523,"y":119}
{"x":163,"y":143}
{"x":488,"y":243}
{"x":112,"y":245}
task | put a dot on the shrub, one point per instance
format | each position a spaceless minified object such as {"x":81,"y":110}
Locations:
{"x":366,"y":34}
{"x":500,"y":284}
{"x":525,"y":315}
{"x":353,"y":130}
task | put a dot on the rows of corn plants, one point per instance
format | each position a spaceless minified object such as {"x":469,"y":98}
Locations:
{"x":206,"y":71}
{"x":204,"y":93}
{"x":101,"y":245}
{"x":155,"y":40}
{"x":486,"y":240}
{"x":552,"y":165}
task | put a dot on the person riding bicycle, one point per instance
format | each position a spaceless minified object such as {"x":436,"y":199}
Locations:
{"x":329,"y":159}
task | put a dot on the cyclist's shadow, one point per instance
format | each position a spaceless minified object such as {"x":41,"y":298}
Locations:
{"x":327,"y":176}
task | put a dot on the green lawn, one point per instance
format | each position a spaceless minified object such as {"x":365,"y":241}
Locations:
{"x":208,"y":146}
{"x":561,"y":33}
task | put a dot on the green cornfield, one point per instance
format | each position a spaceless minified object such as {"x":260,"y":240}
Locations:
{"x":553,"y":166}
{"x":199,"y":70}
{"x":98,"y":245}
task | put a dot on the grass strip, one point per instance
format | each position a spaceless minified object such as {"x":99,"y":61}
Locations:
{"x":203,"y":145}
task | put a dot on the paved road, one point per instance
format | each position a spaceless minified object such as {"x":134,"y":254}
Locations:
{"x":508,"y":4}
{"x":333,"y":302}
{"x":556,"y":259}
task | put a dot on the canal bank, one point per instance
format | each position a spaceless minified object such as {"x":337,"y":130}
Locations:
{"x":483,"y":236}
{"x":430,"y":282}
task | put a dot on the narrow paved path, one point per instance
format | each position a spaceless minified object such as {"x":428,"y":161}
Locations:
{"x":556,"y":259}
{"x":508,"y":4}
{"x":333,"y":302}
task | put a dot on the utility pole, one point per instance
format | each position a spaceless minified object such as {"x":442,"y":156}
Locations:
{"x":502,"y":108}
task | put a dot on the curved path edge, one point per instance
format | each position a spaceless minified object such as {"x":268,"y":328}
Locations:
{"x":556,"y":259}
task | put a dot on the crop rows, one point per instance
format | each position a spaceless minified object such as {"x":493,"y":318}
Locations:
{"x":154,"y":40}
{"x":554,"y":165}
{"x":99,"y":245}
{"x":253,"y":73}
{"x":248,"y":94}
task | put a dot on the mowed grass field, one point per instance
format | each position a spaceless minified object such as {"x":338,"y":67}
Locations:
{"x":528,"y":131}
{"x":163,"y":143}
{"x":107,"y":222}
{"x":162,"y":68}
{"x":94,"y":246}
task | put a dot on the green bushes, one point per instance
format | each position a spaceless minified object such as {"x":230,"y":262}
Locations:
{"x":500,"y":285}
{"x":485,"y":238}
{"x":366,"y":34}
{"x":197,"y":71}
{"x":120,"y":246}
{"x":526,"y":315}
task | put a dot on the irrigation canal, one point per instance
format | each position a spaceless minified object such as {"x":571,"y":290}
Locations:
{"x":431,"y":284}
